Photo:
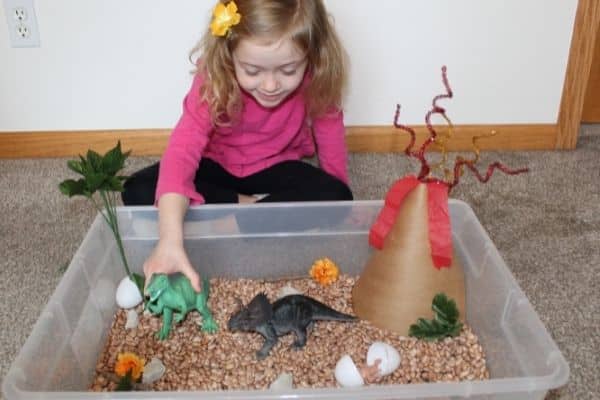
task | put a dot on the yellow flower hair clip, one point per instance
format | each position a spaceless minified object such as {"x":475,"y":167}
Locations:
{"x":224,"y":17}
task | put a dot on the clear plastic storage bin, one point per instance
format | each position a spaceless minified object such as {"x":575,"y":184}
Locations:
{"x":59,"y":357}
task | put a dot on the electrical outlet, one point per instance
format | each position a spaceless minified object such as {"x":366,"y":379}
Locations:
{"x":23,"y":31}
{"x":22,"y":24}
{"x":19,"y":13}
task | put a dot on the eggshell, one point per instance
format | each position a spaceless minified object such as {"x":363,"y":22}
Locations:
{"x":287,"y":290}
{"x":284,"y":381}
{"x":153,"y":371}
{"x":390,"y":358}
{"x":347,"y":374}
{"x":128,"y":295}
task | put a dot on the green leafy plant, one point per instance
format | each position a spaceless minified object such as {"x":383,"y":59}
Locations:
{"x":444,"y":323}
{"x":125,"y":383}
{"x":100,"y":184}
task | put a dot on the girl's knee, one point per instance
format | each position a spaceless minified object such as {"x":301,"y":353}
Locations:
{"x":335,"y":190}
{"x":140,"y":188}
{"x":138,"y":193}
{"x":343,"y":192}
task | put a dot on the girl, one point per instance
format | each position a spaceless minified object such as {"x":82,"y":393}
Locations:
{"x":266,"y":92}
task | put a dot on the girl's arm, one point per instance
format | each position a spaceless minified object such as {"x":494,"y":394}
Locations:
{"x":169,"y":255}
{"x":180,"y":160}
{"x":175,"y":189}
{"x":329,"y":133}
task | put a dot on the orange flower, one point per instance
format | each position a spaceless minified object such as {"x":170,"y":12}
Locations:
{"x":129,"y":362}
{"x":224,"y":17}
{"x":324,"y":271}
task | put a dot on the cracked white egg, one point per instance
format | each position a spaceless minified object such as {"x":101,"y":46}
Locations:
{"x":347,"y":374}
{"x":390,"y":358}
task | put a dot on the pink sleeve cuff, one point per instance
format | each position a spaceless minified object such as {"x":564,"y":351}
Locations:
{"x":195,"y":197}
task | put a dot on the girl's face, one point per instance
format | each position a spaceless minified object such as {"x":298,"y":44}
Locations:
{"x":269,"y":70}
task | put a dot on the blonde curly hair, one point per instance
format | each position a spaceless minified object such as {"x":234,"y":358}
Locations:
{"x":306,"y":23}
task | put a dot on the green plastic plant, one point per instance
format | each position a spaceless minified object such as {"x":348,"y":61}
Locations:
{"x":100,"y":184}
{"x":444,"y":323}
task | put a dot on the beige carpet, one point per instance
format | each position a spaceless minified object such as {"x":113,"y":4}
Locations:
{"x":546,"y":225}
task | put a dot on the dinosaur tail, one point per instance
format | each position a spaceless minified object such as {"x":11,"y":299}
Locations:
{"x":323,"y":312}
{"x":206,"y":286}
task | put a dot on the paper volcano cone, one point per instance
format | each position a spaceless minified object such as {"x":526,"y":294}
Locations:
{"x":399,"y":281}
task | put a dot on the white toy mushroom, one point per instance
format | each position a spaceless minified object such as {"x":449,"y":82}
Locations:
{"x":128,"y":295}
{"x":132,"y":319}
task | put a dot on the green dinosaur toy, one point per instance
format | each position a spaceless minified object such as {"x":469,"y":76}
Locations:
{"x":168,"y":294}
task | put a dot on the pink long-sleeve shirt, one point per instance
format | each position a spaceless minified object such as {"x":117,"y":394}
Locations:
{"x":262,"y":138}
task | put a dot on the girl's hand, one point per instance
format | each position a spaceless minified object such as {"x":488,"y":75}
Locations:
{"x":245,"y":199}
{"x":169,"y":255}
{"x":170,"y":258}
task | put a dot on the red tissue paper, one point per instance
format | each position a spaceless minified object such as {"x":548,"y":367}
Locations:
{"x":440,"y":236}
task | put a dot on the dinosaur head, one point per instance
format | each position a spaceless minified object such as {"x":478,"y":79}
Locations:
{"x":257,"y":312}
{"x":158,"y":284}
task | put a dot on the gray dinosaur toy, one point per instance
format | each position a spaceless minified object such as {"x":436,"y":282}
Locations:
{"x":293,"y":313}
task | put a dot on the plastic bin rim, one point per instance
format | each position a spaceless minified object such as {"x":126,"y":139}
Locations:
{"x":303,"y":204}
{"x":407,"y":391}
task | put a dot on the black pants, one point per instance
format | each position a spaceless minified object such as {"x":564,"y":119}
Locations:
{"x":286,"y":181}
{"x":283,"y":182}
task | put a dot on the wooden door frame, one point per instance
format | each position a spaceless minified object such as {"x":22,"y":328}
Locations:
{"x":581,"y":54}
